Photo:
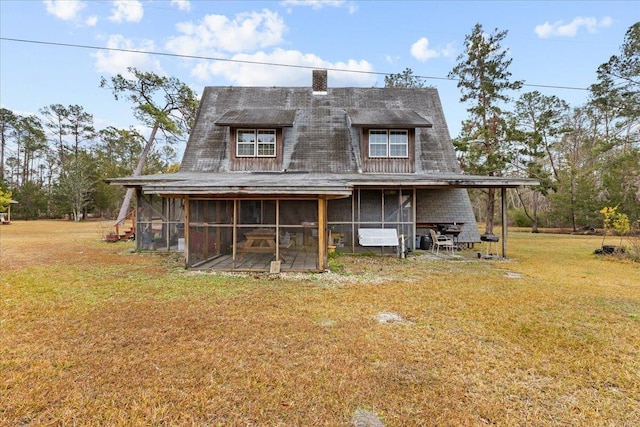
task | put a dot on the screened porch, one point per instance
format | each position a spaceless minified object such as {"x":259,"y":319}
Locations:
{"x":250,"y":234}
{"x":244,"y":234}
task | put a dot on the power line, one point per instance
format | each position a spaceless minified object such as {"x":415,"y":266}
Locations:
{"x":244,"y":61}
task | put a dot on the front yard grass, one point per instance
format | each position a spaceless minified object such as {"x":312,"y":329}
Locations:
{"x":93,"y":334}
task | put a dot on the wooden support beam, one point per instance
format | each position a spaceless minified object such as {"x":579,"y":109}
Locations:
{"x":186,"y":231}
{"x":278,"y":232}
{"x":234,"y":236}
{"x":322,"y":234}
{"x":503,"y":203}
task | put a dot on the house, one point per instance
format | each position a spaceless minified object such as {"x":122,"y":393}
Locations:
{"x":274,"y":176}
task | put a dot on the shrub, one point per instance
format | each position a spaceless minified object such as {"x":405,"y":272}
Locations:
{"x":519,"y":218}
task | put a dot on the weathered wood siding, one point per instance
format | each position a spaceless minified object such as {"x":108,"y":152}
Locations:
{"x":387,"y":165}
{"x":255,"y":163}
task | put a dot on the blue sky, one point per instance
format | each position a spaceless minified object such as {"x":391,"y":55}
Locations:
{"x":552,"y":43}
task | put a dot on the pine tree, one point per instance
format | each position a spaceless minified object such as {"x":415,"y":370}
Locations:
{"x":484,"y":81}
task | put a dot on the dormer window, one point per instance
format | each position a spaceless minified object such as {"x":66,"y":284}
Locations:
{"x":391,"y":143}
{"x":256,"y":143}
{"x":256,"y":137}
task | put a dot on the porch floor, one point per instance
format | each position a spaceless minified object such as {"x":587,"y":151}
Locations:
{"x":290,"y":261}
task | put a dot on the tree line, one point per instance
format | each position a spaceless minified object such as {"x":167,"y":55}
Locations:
{"x":55,"y":163}
{"x":585,"y":157}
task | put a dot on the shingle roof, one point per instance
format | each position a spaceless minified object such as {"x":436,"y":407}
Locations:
{"x":322,"y":137}
{"x":273,"y":117}
{"x":321,"y":153}
{"x":387,"y":118}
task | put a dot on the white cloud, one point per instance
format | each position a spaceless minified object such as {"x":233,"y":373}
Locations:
{"x":116,"y":62}
{"x":245,"y":38}
{"x":126,"y":10}
{"x":391,"y":59}
{"x":66,"y":10}
{"x":560,"y":29}
{"x":351,"y":6}
{"x":252,"y":74}
{"x":91,"y":21}
{"x":314,"y":4}
{"x":184,"y":5}
{"x":215,"y":33}
{"x":422,"y":52}
{"x":449,"y":51}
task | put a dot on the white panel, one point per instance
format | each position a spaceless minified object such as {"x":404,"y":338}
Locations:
{"x":378,"y":237}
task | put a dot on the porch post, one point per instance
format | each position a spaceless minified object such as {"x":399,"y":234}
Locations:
{"x":277,"y":230}
{"x":322,"y":233}
{"x":139,"y":214}
{"x":234,"y":234}
{"x":355,"y":204}
{"x":414,"y":204}
{"x":503,"y":196}
{"x":186,"y":231}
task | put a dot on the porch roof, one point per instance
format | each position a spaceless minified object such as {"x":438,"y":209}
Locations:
{"x":301,"y":183}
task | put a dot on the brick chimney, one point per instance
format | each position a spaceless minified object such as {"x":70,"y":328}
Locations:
{"x":319,"y":83}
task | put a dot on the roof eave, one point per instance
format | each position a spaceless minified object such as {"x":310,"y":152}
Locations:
{"x":277,"y":184}
{"x":239,"y":191}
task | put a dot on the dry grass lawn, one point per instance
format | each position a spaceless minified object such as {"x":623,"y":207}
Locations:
{"x":93,"y":334}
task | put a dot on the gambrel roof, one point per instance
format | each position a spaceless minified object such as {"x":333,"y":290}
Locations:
{"x":323,"y":135}
{"x":321,"y":151}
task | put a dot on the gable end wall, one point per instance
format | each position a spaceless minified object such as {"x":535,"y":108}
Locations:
{"x":446,"y":207}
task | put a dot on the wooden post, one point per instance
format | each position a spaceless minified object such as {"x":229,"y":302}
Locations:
{"x":414,"y":204}
{"x":187,"y":231}
{"x":503,"y":203}
{"x":218,"y":236}
{"x":277,"y":239}
{"x":322,"y":234}
{"x":234,"y":233}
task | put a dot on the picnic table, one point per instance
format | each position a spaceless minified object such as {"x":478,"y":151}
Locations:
{"x":258,"y":241}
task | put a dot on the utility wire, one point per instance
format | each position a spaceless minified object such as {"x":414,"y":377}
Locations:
{"x":242,"y":61}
